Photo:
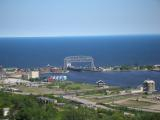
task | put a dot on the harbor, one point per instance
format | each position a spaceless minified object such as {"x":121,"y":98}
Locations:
{"x":86,"y":72}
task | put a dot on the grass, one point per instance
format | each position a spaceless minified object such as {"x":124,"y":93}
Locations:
{"x":56,"y":86}
{"x":135,"y":103}
{"x":107,"y":100}
{"x":68,"y":85}
{"x":79,"y":86}
{"x":35,"y":90}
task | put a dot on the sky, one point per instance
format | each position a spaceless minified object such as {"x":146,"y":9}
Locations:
{"x":78,"y":17}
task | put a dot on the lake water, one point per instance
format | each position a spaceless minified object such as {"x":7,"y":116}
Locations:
{"x":35,"y":52}
{"x":123,"y":79}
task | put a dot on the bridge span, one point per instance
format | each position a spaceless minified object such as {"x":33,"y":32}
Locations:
{"x":77,"y":59}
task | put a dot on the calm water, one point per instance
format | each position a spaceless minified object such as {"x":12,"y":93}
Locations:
{"x":123,"y":79}
{"x":35,"y":52}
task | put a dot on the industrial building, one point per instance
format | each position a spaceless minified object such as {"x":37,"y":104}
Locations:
{"x":149,"y":86}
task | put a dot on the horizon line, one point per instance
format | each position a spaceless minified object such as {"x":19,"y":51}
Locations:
{"x":59,"y":36}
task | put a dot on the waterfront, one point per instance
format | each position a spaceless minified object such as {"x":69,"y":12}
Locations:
{"x":106,"y":51}
{"x":122,"y":79}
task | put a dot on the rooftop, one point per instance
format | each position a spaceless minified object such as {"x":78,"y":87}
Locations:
{"x":149,"y":81}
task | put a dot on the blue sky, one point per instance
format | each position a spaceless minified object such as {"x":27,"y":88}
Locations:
{"x":79,"y":17}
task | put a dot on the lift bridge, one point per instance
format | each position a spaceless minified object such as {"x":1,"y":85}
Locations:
{"x":78,"y":59}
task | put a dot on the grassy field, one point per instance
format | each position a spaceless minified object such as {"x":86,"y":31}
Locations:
{"x":79,"y":86}
{"x":35,"y":90}
{"x":135,"y":103}
{"x":68,"y":85}
{"x":56,"y":87}
{"x":105,"y":99}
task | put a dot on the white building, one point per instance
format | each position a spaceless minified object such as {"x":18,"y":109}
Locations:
{"x":5,"y":112}
{"x":30,"y":74}
{"x":149,"y":86}
{"x":106,"y":69}
{"x":100,"y":83}
{"x":158,"y":65}
{"x":34,"y":74}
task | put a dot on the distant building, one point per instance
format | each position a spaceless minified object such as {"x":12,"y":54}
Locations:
{"x":100,"y":83}
{"x":34,"y":74}
{"x":15,"y":75}
{"x":1,"y":72}
{"x":45,"y":69}
{"x":46,"y":100}
{"x":25,"y":76}
{"x":5,"y":111}
{"x":106,"y":69}
{"x":57,"y":78}
{"x":149,"y":86}
{"x":10,"y":70}
{"x":157,"y":65}
{"x":30,"y":74}
{"x":138,"y":90}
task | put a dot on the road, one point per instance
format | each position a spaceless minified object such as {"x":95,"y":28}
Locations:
{"x":91,"y":104}
{"x":86,"y":102}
